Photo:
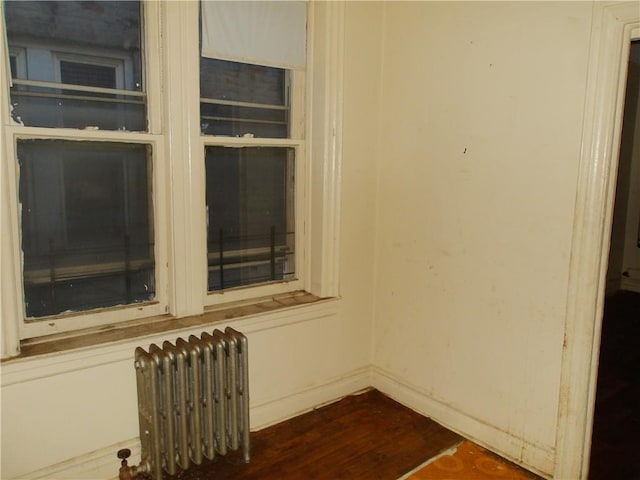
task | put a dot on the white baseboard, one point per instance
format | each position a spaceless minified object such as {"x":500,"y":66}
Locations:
{"x":103,"y":464}
{"x":537,"y":458}
{"x":280,"y":409}
{"x":100,"y":464}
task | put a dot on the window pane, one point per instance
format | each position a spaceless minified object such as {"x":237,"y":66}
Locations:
{"x":239,"y":99}
{"x":74,"y":51}
{"x":87,"y":74}
{"x":250,"y":215}
{"x":87,"y":231}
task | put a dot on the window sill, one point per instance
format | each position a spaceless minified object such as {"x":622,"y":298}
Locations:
{"x":157,"y":325}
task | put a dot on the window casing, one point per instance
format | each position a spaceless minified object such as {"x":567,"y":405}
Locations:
{"x":178,"y":145}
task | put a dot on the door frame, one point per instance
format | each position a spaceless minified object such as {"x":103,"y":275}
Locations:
{"x":614,"y":25}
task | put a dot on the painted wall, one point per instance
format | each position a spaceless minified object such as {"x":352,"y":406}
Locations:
{"x":80,"y":407}
{"x":482,"y":112}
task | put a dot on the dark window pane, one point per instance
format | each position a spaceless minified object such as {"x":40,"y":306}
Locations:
{"x":13,"y":62}
{"x":91,"y":44}
{"x":239,"y":99}
{"x":242,"y":82}
{"x":87,"y":231}
{"x":250,"y":215}
{"x":87,"y":74}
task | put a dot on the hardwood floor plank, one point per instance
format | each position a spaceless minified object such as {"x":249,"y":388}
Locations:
{"x":361,"y":437}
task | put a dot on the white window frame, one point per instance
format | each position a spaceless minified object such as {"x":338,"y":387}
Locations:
{"x":178,"y":176}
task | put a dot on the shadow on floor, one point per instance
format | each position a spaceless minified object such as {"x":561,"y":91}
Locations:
{"x":616,"y":429}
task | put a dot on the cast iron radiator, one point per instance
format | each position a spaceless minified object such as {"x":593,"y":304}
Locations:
{"x":193,"y":401}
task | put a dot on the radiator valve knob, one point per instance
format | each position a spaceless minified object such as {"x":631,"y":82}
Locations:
{"x":123,"y":455}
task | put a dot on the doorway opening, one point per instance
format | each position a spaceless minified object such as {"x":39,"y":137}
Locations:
{"x":616,"y":423}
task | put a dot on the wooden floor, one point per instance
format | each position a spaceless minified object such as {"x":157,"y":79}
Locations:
{"x":616,"y":428}
{"x":366,"y":436}
{"x":361,"y":437}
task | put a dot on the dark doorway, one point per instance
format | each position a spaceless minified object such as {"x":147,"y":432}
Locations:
{"x":616,"y":427}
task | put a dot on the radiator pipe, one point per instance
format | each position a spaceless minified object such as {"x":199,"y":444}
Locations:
{"x":130,"y":472}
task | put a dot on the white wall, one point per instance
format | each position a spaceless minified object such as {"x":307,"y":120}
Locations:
{"x":80,"y":407}
{"x":482,"y":113}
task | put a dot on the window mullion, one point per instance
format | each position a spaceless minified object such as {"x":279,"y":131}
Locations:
{"x":324,"y":133}
{"x":11,"y":305}
{"x":185,"y":158}
{"x":5,"y":72}
{"x":11,"y":297}
{"x":152,"y":74}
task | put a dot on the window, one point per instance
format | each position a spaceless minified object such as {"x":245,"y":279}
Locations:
{"x":88,"y":74}
{"x":74,"y":52}
{"x":252,"y":132}
{"x":239,"y":99}
{"x":87,"y":211}
{"x":250,"y":187}
{"x":250,"y":207}
{"x":147,"y":177}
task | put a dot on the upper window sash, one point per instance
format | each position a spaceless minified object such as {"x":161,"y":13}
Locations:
{"x":243,"y":100}
{"x":44,"y":98}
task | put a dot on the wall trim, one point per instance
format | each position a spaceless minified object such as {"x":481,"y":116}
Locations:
{"x":99,"y":464}
{"x":324,"y":144}
{"x":280,"y":409}
{"x":103,"y":464}
{"x":10,"y":301}
{"x":611,"y":33}
{"x":534,"y":457}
